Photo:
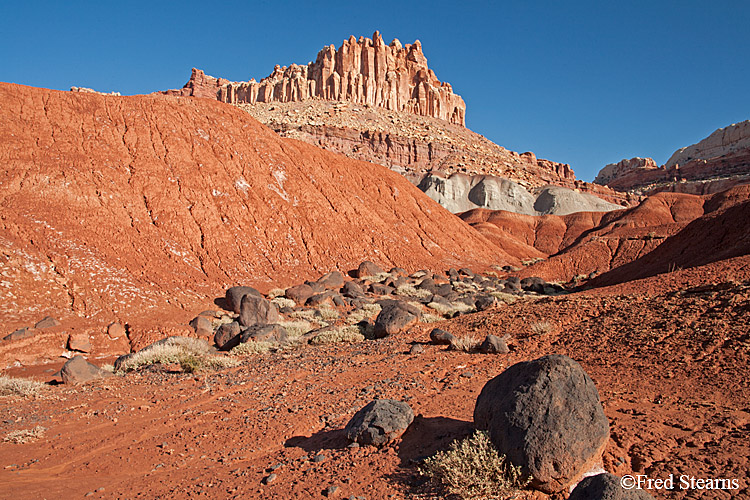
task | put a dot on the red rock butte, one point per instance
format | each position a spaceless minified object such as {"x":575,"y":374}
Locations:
{"x":364,"y":71}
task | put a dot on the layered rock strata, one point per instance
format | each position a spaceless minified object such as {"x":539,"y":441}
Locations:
{"x":365,"y":71}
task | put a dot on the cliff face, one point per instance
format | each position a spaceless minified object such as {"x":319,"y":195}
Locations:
{"x":725,"y":141}
{"x":364,"y":71}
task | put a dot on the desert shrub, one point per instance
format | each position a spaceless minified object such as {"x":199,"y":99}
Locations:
{"x":296,"y":328}
{"x":507,"y":298}
{"x":25,"y":435}
{"x":328,"y":313}
{"x":347,"y":334}
{"x":541,"y":328}
{"x":431,"y":318}
{"x":466,"y":343}
{"x":11,"y":386}
{"x":283,"y":302}
{"x":276,"y":292}
{"x":307,"y":315}
{"x":378,"y":278}
{"x":411,"y":291}
{"x":450,"y":310}
{"x":473,"y":469}
{"x":365,"y":312}
{"x":528,"y":262}
{"x":191,"y":354}
{"x":247,"y":348}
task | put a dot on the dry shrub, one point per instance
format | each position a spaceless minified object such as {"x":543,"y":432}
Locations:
{"x":281,"y":302}
{"x":541,"y":328}
{"x":411,"y":291}
{"x":508,"y":298}
{"x":431,"y":318}
{"x":450,"y":310}
{"x":191,"y":354}
{"x":365,"y":312}
{"x":25,"y":435}
{"x":347,"y":334}
{"x":466,"y":343}
{"x":378,"y":278}
{"x":328,"y":313}
{"x":473,"y":469}
{"x":11,"y":386}
{"x":296,"y":329}
{"x":248,"y":348}
{"x":276,"y":292}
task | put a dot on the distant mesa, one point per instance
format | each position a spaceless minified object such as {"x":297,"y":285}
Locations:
{"x":86,"y":90}
{"x":364,"y":71}
{"x":718,"y":162}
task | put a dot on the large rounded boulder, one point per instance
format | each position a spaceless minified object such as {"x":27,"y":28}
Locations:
{"x":607,"y":487}
{"x":545,"y":416}
{"x":380,"y":422}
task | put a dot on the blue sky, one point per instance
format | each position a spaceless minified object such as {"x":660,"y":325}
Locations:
{"x":585,"y":83}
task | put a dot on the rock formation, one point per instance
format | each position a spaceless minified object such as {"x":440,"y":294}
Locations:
{"x":716,"y":163}
{"x":364,"y":71}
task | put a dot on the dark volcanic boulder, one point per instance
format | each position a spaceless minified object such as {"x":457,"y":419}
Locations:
{"x":235,"y":294}
{"x":493,"y":345}
{"x":77,"y":370}
{"x":257,"y":311}
{"x":202,"y":326}
{"x":393,"y":318}
{"x":441,"y":337}
{"x":264,"y":333}
{"x":227,"y":336}
{"x":299,"y":293}
{"x":352,"y":289}
{"x":332,"y":281}
{"x":380,"y":422}
{"x":606,"y":487}
{"x":545,"y":416}
{"x":366,"y":269}
{"x":533,"y":284}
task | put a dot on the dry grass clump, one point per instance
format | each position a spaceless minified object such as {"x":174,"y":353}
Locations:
{"x":328,"y":313}
{"x":466,"y":343}
{"x":296,"y":328}
{"x":11,"y":386}
{"x":411,"y":291}
{"x":431,"y":318}
{"x":191,"y":354}
{"x":541,"y":328}
{"x":450,"y":310}
{"x":283,"y":302}
{"x":276,"y":292}
{"x":310,"y":315}
{"x":249,"y":348}
{"x":25,"y":435}
{"x":342,"y":334}
{"x":473,"y":469}
{"x":378,"y":278}
{"x":508,"y":298}
{"x":365,"y":312}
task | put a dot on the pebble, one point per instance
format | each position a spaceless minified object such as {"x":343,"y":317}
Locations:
{"x":319,"y":458}
{"x":269,"y":479}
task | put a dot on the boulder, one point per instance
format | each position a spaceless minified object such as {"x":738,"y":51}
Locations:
{"x":116,"y":330}
{"x":441,"y":337}
{"x":352,"y":289}
{"x":77,"y":370}
{"x":493,"y":345}
{"x":366,"y":269}
{"x":264,"y":333}
{"x":321,"y":298}
{"x":533,"y":284}
{"x":299,"y":293}
{"x":393,"y":318}
{"x":545,"y":416}
{"x":485,"y":302}
{"x":236,"y":293}
{"x":332,"y":281}
{"x":227,"y":336}
{"x":380,"y":422}
{"x":380,"y":289}
{"x":47,"y":322}
{"x":21,"y":333}
{"x":257,"y":311}
{"x":79,"y":342}
{"x":606,"y":487}
{"x":202,"y":326}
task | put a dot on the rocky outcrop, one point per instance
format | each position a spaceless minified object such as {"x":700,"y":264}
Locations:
{"x":718,"y":162}
{"x":724,"y":141}
{"x":364,"y":71}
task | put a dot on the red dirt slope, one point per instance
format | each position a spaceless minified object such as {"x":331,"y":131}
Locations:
{"x":118,"y":206}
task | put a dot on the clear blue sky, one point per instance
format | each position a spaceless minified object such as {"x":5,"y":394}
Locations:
{"x":585,"y":83}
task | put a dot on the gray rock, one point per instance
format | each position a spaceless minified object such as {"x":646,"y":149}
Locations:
{"x":380,"y":422}
{"x":533,"y":284}
{"x":441,"y":337}
{"x":21,"y":333}
{"x":352,"y":289}
{"x":494,"y":345}
{"x":202,"y":326}
{"x":606,"y":487}
{"x":380,"y":289}
{"x":257,"y":311}
{"x":321,"y":298}
{"x":299,"y":293}
{"x":264,"y":333}
{"x":545,"y":416}
{"x":227,"y":336}
{"x":393,"y":319}
{"x":332,"y":281}
{"x":485,"y":302}
{"x":366,"y":269}
{"x":47,"y":322}
{"x":77,"y":370}
{"x":236,"y":293}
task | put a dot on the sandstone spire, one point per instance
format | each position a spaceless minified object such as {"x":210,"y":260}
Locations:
{"x":364,"y":71}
